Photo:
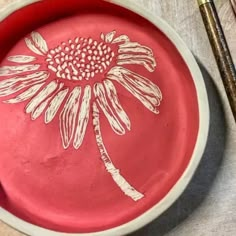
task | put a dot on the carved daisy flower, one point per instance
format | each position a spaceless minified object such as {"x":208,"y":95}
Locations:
{"x":80,"y":60}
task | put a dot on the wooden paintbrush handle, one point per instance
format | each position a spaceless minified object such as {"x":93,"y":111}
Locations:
{"x":233,"y":2}
{"x":220,"y":49}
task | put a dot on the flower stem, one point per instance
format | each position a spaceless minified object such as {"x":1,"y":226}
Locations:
{"x":115,"y":173}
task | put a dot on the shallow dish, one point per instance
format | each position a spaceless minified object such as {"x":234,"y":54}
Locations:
{"x":105,"y":117}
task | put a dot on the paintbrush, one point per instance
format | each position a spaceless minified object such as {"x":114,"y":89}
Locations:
{"x":233,"y":2}
{"x":220,"y":49}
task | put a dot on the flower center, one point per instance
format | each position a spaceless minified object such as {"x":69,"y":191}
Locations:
{"x":79,"y":59}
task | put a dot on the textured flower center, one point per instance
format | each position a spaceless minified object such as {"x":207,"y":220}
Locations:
{"x":79,"y":59}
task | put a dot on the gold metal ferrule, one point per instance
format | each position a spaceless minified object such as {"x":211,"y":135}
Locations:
{"x":201,"y":2}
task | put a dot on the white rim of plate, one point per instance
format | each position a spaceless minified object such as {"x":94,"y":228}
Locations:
{"x":186,"y":177}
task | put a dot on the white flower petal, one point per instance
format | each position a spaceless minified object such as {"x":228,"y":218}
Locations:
{"x":39,"y":42}
{"x":137,"y":50}
{"x":68,"y":117}
{"x":14,"y":70}
{"x":146,"y":60}
{"x":44,"y":94}
{"x":136,"y":62}
{"x":134,"y":47}
{"x":113,"y":97}
{"x":83,"y":118}
{"x":55,"y":105}
{"x":129,"y":45}
{"x":100,"y":94}
{"x":122,"y":38}
{"x":12,"y":81}
{"x":103,"y":36}
{"x":39,"y":110}
{"x":21,"y":59}
{"x":32,"y":47}
{"x":143,"y":89}
{"x":13,"y":85}
{"x":109,"y":37}
{"x":29,"y":93}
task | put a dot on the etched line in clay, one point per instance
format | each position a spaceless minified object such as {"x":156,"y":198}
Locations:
{"x":122,"y":38}
{"x":21,"y":59}
{"x":109,"y":37}
{"x":83,"y":118}
{"x":14,"y":70}
{"x":35,"y":102}
{"x":113,"y":97}
{"x":115,"y":173}
{"x":68,"y":117}
{"x":29,"y":93}
{"x":141,"y":88}
{"x":39,"y":42}
{"x":32,"y":47}
{"x":100,"y":94}
{"x":147,"y":61}
{"x":55,"y":105}
{"x":137,"y":49}
{"x":42,"y":106}
{"x":137,"y":62}
{"x":13,"y":85}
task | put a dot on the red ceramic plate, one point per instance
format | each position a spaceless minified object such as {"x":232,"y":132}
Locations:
{"x":104,"y":117}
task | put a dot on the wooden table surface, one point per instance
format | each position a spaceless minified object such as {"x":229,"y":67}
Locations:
{"x":208,"y":208}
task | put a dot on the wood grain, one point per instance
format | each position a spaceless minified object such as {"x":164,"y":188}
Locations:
{"x":216,"y":216}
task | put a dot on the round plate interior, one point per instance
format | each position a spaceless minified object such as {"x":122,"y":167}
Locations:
{"x":100,"y":114}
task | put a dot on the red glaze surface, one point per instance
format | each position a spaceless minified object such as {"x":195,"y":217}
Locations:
{"x":70,"y":190}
